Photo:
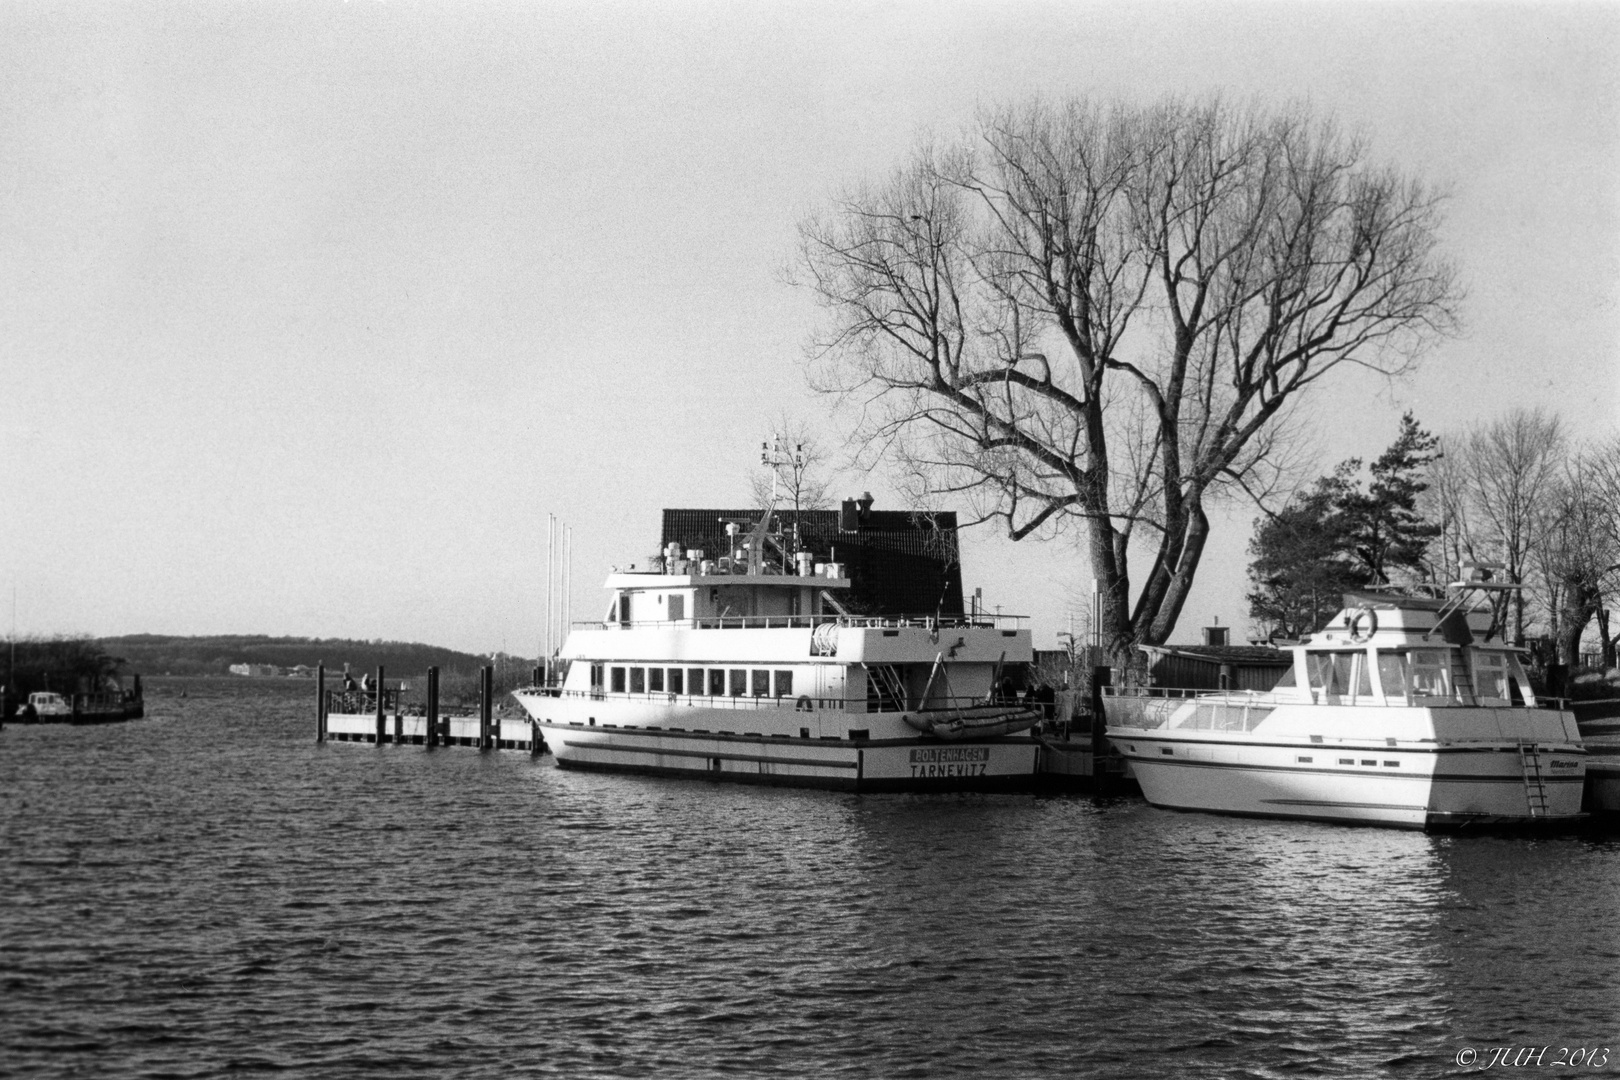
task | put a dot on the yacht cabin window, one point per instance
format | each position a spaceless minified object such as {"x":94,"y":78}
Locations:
{"x":655,"y":680}
{"x":717,"y":682}
{"x":677,"y":684}
{"x":1392,"y":673}
{"x":1428,"y":674}
{"x":761,"y":683}
{"x":617,"y":677}
{"x":1338,"y":674}
{"x":1491,"y":678}
{"x":739,"y":682}
{"x":677,"y":608}
{"x":784,"y":684}
{"x":638,"y":680}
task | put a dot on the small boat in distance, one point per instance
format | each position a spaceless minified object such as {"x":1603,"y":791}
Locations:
{"x":1403,"y":711}
{"x":108,"y":706}
{"x":749,"y":668}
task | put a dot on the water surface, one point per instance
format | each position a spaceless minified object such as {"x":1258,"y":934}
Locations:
{"x":208,"y":892}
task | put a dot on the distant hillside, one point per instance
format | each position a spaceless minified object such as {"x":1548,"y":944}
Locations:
{"x":156,"y":654}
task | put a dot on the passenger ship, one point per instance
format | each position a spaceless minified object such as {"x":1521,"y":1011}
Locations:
{"x":1404,"y":711}
{"x":750,"y":669}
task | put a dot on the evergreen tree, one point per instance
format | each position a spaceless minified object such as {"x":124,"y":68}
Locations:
{"x":1337,"y":538}
{"x":1386,"y":532}
{"x":1302,"y":567}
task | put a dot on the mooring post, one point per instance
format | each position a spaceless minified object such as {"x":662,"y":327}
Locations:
{"x":486,"y":705}
{"x":382,"y":731}
{"x":536,"y":745}
{"x":320,"y":703}
{"x":432,"y":707}
{"x":1101,"y":677}
{"x":75,"y":699}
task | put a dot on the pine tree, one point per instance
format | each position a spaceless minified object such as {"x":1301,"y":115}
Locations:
{"x":1386,"y":531}
{"x":1337,"y":538}
{"x":1302,"y":568}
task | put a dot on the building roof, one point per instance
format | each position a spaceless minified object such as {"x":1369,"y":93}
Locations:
{"x":1248,"y":655}
{"x":898,"y":561}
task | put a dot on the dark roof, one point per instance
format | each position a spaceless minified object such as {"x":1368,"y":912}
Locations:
{"x":1227,"y":654}
{"x":899,"y":562}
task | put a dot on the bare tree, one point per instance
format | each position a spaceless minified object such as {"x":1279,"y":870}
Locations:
{"x":1509,"y":471}
{"x":795,"y":468}
{"x":1578,"y":550}
{"x":1099,"y":315}
{"x":1582,"y":555}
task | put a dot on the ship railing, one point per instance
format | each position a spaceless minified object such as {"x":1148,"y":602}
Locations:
{"x":779,"y":622}
{"x":800,"y":702}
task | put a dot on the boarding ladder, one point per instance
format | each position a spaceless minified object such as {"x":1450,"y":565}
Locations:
{"x":1535,"y":785}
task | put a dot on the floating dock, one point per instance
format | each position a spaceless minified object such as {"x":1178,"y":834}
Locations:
{"x":1599,"y":724}
{"x":381,"y":715}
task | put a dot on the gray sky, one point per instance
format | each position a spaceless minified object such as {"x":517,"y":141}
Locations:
{"x":310,"y":313}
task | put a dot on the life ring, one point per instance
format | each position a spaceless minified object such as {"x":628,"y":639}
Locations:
{"x":1356,"y":618}
{"x":803,"y":704}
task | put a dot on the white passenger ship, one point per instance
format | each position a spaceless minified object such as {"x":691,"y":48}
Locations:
{"x":1405,"y":712}
{"x":737,"y":669}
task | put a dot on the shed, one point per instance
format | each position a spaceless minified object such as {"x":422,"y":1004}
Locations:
{"x":1216,"y":667}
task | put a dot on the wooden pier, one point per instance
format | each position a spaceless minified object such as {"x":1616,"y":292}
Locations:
{"x":380,"y":716}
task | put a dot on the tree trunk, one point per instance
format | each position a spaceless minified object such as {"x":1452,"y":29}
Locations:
{"x":1580,"y":604}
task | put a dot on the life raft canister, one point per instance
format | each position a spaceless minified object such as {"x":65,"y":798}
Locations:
{"x":1363,"y":615}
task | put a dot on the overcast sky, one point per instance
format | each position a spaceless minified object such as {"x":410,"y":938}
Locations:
{"x":311,"y":313}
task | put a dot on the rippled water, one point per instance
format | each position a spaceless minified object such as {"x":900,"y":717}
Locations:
{"x":208,"y":892}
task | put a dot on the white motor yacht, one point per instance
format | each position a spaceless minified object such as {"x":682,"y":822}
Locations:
{"x":1403,"y":711}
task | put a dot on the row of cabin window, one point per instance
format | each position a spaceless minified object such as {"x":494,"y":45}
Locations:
{"x":721,"y":682}
{"x":1419,"y":673}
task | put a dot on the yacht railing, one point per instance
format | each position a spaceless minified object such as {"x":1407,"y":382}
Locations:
{"x":1152,"y":707}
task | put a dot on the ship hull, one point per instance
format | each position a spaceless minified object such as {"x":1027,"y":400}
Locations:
{"x":1401,"y":786}
{"x":754,"y":742}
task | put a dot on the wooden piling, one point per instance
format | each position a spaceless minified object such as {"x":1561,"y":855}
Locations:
{"x":536,"y":744}
{"x":382,"y":731}
{"x":320,"y":703}
{"x":486,"y":706}
{"x":432,"y":707}
{"x":1101,"y":677}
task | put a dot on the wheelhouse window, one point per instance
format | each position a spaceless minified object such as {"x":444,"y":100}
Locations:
{"x":677,"y":608}
{"x":784,"y":684}
{"x":1338,"y":674}
{"x":1392,"y":674}
{"x":616,"y":675}
{"x":597,"y":671}
{"x":677,"y":681}
{"x":638,"y":680}
{"x":1491,"y":678}
{"x":1428,"y":674}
